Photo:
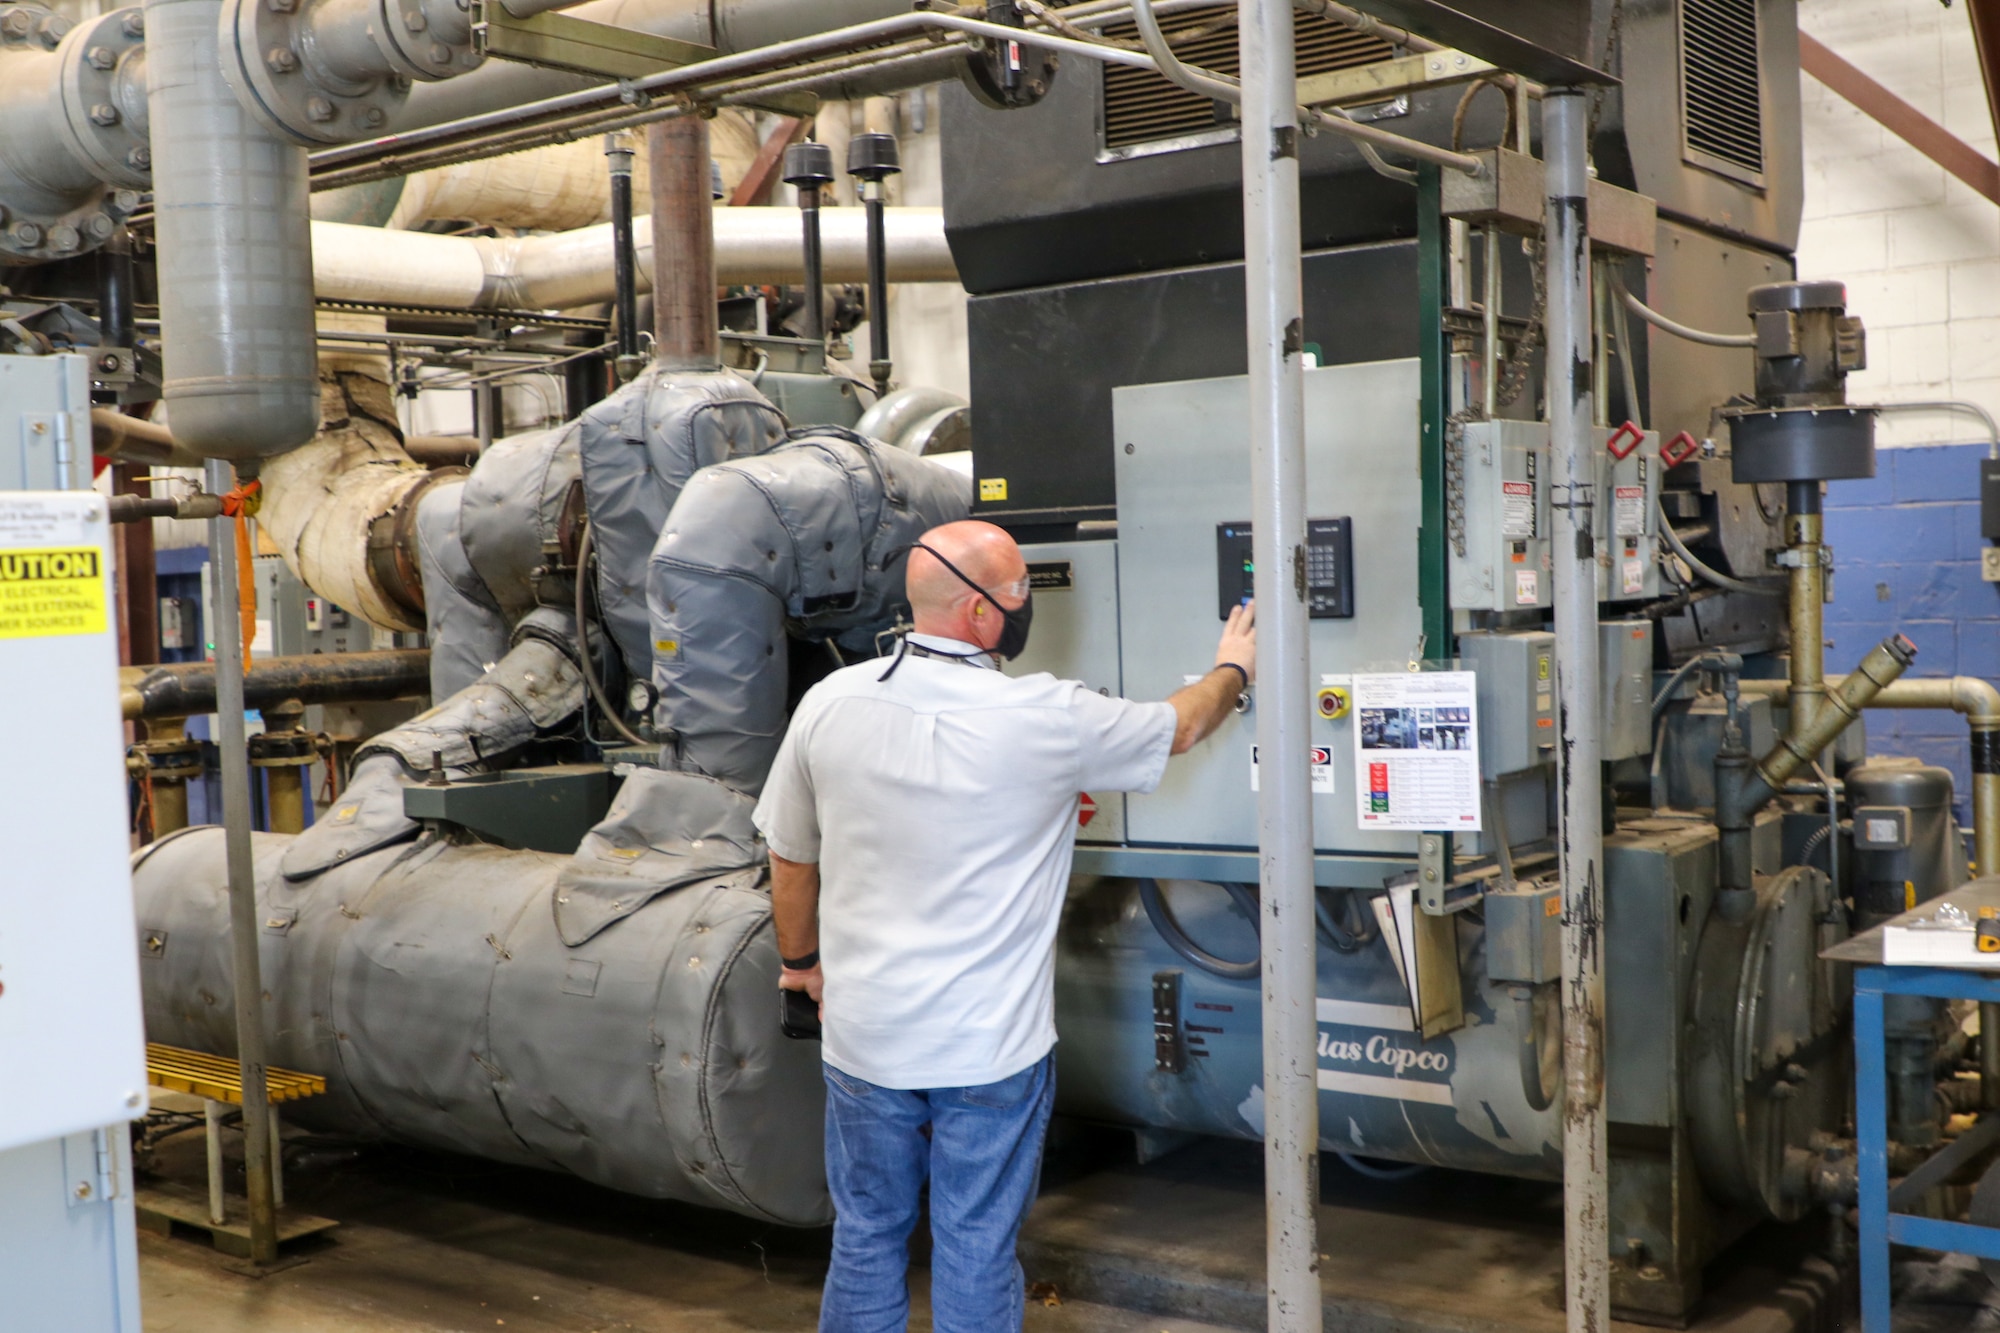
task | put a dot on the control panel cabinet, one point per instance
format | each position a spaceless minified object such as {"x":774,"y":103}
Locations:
{"x":1183,"y":470}
{"x":1500,"y":546}
{"x":1625,"y":525}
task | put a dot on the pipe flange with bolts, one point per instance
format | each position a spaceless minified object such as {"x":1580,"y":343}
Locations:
{"x":333,"y":71}
{"x":103,"y":78}
{"x":73,"y":99}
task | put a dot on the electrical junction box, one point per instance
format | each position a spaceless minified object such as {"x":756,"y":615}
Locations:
{"x":1183,"y":470}
{"x":1625,"y":688}
{"x":45,"y":423}
{"x":1625,"y":519}
{"x":1524,"y":933}
{"x":1517,"y":698}
{"x":177,"y":622}
{"x":72,"y":1046}
{"x":1504,"y":565}
{"x":1075,"y":585}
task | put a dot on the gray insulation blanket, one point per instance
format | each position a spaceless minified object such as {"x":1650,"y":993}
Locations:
{"x":639,"y":447}
{"x":510,"y":510}
{"x":468,"y":631}
{"x":529,"y":694}
{"x":802,"y":540}
{"x":428,"y":984}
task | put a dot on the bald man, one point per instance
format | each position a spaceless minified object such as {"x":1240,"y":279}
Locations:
{"x":920,"y":817}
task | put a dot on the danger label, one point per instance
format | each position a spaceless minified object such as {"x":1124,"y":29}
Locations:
{"x":53,"y":590}
{"x":1517,"y":509}
{"x":1628,"y":511}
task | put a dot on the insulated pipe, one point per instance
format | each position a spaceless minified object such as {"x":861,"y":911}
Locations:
{"x":235,"y":257}
{"x":571,"y":269}
{"x":1579,"y":775}
{"x":686,"y":334}
{"x":1275,"y":310}
{"x":240,"y":874}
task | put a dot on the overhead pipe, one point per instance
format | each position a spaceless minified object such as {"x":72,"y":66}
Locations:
{"x":1275,"y":313}
{"x":571,"y":269}
{"x":235,"y":256}
{"x":1579,"y":772}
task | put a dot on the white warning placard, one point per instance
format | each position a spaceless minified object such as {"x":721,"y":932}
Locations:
{"x":1416,"y":750}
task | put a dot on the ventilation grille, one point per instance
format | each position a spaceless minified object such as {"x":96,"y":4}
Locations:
{"x":1722,"y":110}
{"x":1141,"y":107}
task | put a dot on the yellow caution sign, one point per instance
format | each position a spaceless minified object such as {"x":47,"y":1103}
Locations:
{"x":51,"y":590}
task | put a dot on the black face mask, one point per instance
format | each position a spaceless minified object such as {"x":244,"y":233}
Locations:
{"x":1013,"y":624}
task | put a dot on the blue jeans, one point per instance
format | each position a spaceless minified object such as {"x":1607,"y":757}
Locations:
{"x":983,"y":1156}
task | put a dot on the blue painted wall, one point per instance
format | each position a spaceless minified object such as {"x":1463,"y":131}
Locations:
{"x":1906,"y":558}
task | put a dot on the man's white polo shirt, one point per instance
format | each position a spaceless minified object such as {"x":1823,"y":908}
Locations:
{"x":941,"y":807}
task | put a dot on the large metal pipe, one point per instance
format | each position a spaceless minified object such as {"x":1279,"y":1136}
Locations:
{"x":244,"y":960}
{"x":624,"y":259}
{"x":575,"y":268}
{"x":1579,"y":776}
{"x":1275,"y":312}
{"x":685,"y":332}
{"x":1807,"y":666}
{"x":235,"y":253}
{"x":188,"y":689}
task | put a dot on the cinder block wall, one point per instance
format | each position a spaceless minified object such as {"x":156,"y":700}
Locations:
{"x":1920,"y":254}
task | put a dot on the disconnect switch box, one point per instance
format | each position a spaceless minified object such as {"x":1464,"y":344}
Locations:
{"x":1524,"y":933}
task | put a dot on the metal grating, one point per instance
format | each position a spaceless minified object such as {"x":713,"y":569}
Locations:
{"x":1141,"y":107}
{"x":1722,"y":109}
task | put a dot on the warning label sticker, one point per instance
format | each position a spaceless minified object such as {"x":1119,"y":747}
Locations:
{"x":1517,"y":509}
{"x":1628,"y":511}
{"x":53,"y":590}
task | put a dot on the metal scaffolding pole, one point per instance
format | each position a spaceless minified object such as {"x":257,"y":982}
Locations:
{"x":243,"y":936}
{"x":1586,"y":1237}
{"x":1275,"y":322}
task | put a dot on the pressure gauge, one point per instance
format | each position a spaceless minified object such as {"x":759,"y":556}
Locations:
{"x":641,"y":696}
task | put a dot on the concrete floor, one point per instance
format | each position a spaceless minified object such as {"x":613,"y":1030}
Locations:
{"x":430,"y":1243}
{"x":435,"y":1244}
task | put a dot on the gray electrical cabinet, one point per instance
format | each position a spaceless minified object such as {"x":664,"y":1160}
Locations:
{"x":1183,"y":471}
{"x":1625,"y":518}
{"x":1499,"y":541}
{"x":1517,"y":698}
{"x":45,"y":425}
{"x":1076,"y":638}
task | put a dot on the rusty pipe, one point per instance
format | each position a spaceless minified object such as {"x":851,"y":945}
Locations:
{"x":1844,"y":703}
{"x":1805,"y":552}
{"x":685,"y":332}
{"x":186,"y":689}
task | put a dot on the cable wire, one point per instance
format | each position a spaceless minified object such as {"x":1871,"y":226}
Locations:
{"x":583,"y":554}
{"x":1675,"y":327}
{"x":1694,"y":562}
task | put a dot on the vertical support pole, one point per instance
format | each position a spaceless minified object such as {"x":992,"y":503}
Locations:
{"x":1433,"y":560}
{"x":1275,"y":324}
{"x":1579,"y":777}
{"x":211,"y":1117}
{"x":686,"y":336}
{"x":277,"y":1159}
{"x":1871,"y":1132}
{"x":1489,"y":351}
{"x":1807,"y":665}
{"x":247,"y":968}
{"x":624,"y":256}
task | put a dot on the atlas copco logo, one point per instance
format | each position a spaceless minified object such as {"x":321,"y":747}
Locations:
{"x":1380,"y":1050}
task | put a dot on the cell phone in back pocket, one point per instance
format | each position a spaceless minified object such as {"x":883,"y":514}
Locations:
{"x":798,"y":1016}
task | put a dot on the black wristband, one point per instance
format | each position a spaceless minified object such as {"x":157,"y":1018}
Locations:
{"x":1231,"y":666}
{"x":805,"y":964}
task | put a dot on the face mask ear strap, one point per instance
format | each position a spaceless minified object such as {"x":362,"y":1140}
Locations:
{"x":957,"y":573}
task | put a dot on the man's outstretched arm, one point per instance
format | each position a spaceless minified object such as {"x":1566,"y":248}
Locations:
{"x":1199,"y":708}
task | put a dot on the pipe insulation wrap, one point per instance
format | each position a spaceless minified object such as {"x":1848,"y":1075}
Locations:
{"x":321,"y":500}
{"x":235,"y":258}
{"x":803,"y":540}
{"x":570,"y":269}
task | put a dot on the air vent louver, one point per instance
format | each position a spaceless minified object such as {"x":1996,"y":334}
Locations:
{"x":1141,"y":107}
{"x":1721,"y":94}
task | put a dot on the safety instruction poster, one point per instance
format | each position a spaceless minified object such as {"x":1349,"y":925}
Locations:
{"x":1416,"y":750}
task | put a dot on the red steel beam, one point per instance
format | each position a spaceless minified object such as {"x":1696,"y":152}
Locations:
{"x":1985,"y":15}
{"x":755,"y":187}
{"x":1901,"y":119}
